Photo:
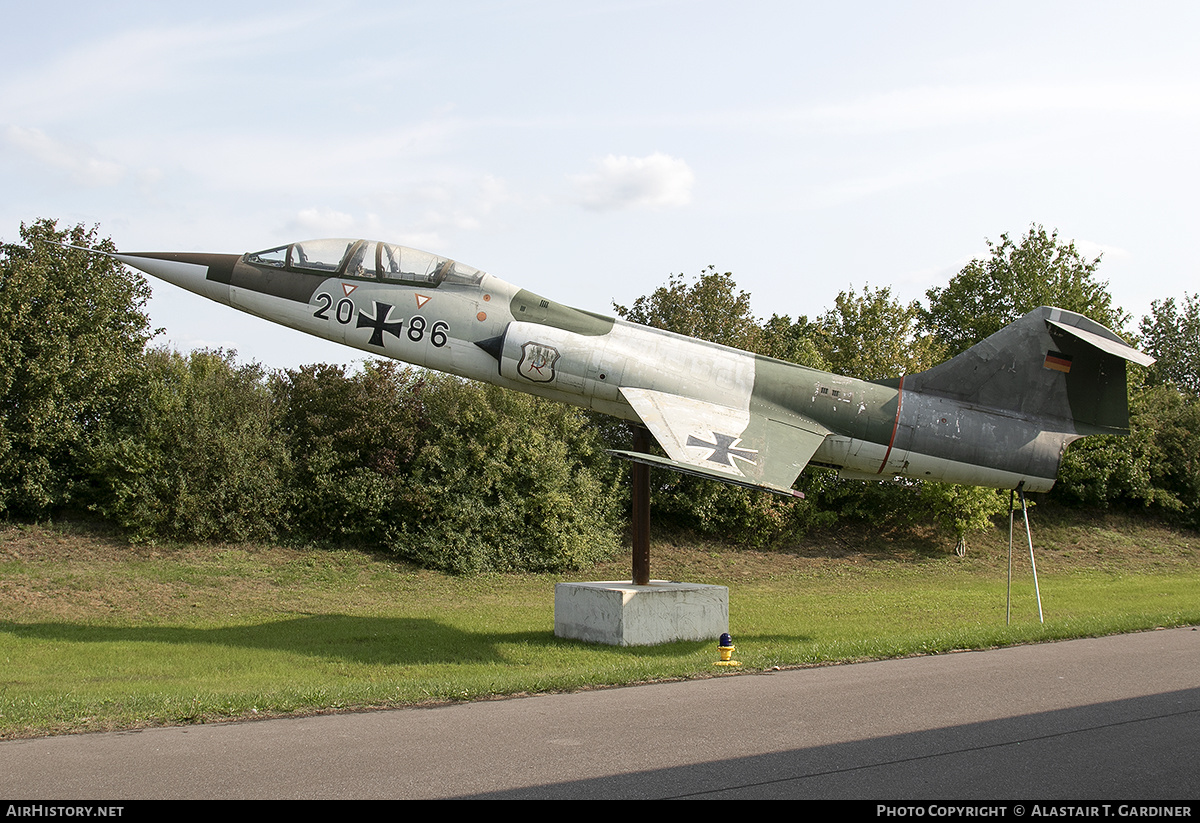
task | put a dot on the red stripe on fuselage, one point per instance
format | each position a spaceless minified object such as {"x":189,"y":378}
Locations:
{"x":895,"y":426}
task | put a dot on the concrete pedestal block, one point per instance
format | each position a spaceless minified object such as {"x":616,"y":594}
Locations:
{"x":622,"y":614}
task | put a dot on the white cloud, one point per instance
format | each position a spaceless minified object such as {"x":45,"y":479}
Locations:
{"x":656,"y":181}
{"x":77,"y":161}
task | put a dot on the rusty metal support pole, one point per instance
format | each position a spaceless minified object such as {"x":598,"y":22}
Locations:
{"x":640,"y":518}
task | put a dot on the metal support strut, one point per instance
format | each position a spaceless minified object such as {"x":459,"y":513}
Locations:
{"x":640,"y":517}
{"x":1020,"y":490}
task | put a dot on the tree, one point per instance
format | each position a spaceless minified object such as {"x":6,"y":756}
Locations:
{"x":711,"y":309}
{"x":873,"y":336}
{"x":1173,"y":336}
{"x":962,"y":509}
{"x":1157,"y":466}
{"x":794,"y":342}
{"x":1169,"y":423}
{"x":1014,"y":279}
{"x":72,"y":336}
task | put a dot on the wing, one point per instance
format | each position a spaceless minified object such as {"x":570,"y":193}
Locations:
{"x":737,"y":446}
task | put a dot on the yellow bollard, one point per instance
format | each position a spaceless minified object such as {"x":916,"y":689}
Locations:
{"x":726,"y":647}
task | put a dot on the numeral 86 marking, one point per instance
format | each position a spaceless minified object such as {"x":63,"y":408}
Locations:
{"x":437,"y":336}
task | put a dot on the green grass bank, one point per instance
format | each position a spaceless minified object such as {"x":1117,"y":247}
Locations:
{"x":97,"y":634}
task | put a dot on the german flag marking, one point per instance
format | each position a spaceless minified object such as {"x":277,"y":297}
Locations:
{"x":1058,"y":361}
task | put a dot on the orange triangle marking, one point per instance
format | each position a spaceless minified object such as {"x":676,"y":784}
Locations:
{"x":349,"y":287}
{"x":421,"y":300}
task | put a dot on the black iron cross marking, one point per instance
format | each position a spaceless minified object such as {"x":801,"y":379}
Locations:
{"x":379,"y":323}
{"x":724,"y":450}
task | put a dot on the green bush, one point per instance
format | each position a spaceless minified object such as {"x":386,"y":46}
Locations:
{"x":351,"y":439}
{"x":206,"y":462}
{"x":504,"y":481}
{"x":452,"y":475}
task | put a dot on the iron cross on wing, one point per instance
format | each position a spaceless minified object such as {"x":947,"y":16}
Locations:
{"x":724,"y":450}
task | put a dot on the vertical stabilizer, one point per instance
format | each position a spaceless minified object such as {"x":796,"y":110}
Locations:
{"x":1051,"y":364}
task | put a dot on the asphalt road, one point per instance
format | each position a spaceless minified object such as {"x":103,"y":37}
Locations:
{"x":1107,"y":719}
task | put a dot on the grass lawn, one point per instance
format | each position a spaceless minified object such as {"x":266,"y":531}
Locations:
{"x":97,"y":634}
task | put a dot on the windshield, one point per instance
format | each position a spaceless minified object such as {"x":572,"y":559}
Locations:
{"x":320,"y":255}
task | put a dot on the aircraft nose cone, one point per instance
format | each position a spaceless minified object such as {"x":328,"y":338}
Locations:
{"x":205,"y":274}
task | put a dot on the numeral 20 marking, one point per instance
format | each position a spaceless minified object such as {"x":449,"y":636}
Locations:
{"x":344,"y":312}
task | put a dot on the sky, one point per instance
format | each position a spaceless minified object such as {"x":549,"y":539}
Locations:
{"x":589,"y":149}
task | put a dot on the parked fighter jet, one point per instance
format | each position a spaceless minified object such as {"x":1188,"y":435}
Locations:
{"x":1000,"y":414}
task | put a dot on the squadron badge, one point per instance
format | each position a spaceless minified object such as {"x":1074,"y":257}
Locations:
{"x":537,"y":362}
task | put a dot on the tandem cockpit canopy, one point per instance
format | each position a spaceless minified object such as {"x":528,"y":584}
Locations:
{"x":368,"y":259}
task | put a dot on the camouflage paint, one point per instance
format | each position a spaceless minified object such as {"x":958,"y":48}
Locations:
{"x":1000,"y":414}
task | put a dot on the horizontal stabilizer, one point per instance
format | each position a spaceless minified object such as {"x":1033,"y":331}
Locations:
{"x":1105,"y":344}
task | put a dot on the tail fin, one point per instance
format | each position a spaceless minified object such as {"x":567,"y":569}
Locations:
{"x":1050,"y":364}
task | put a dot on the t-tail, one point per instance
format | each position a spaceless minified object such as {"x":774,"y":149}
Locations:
{"x":1013,"y":402}
{"x":1052,"y":364}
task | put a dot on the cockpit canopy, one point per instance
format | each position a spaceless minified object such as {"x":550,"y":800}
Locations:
{"x":368,"y":259}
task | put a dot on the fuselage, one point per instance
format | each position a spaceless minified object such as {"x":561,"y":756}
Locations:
{"x":438,"y":314}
